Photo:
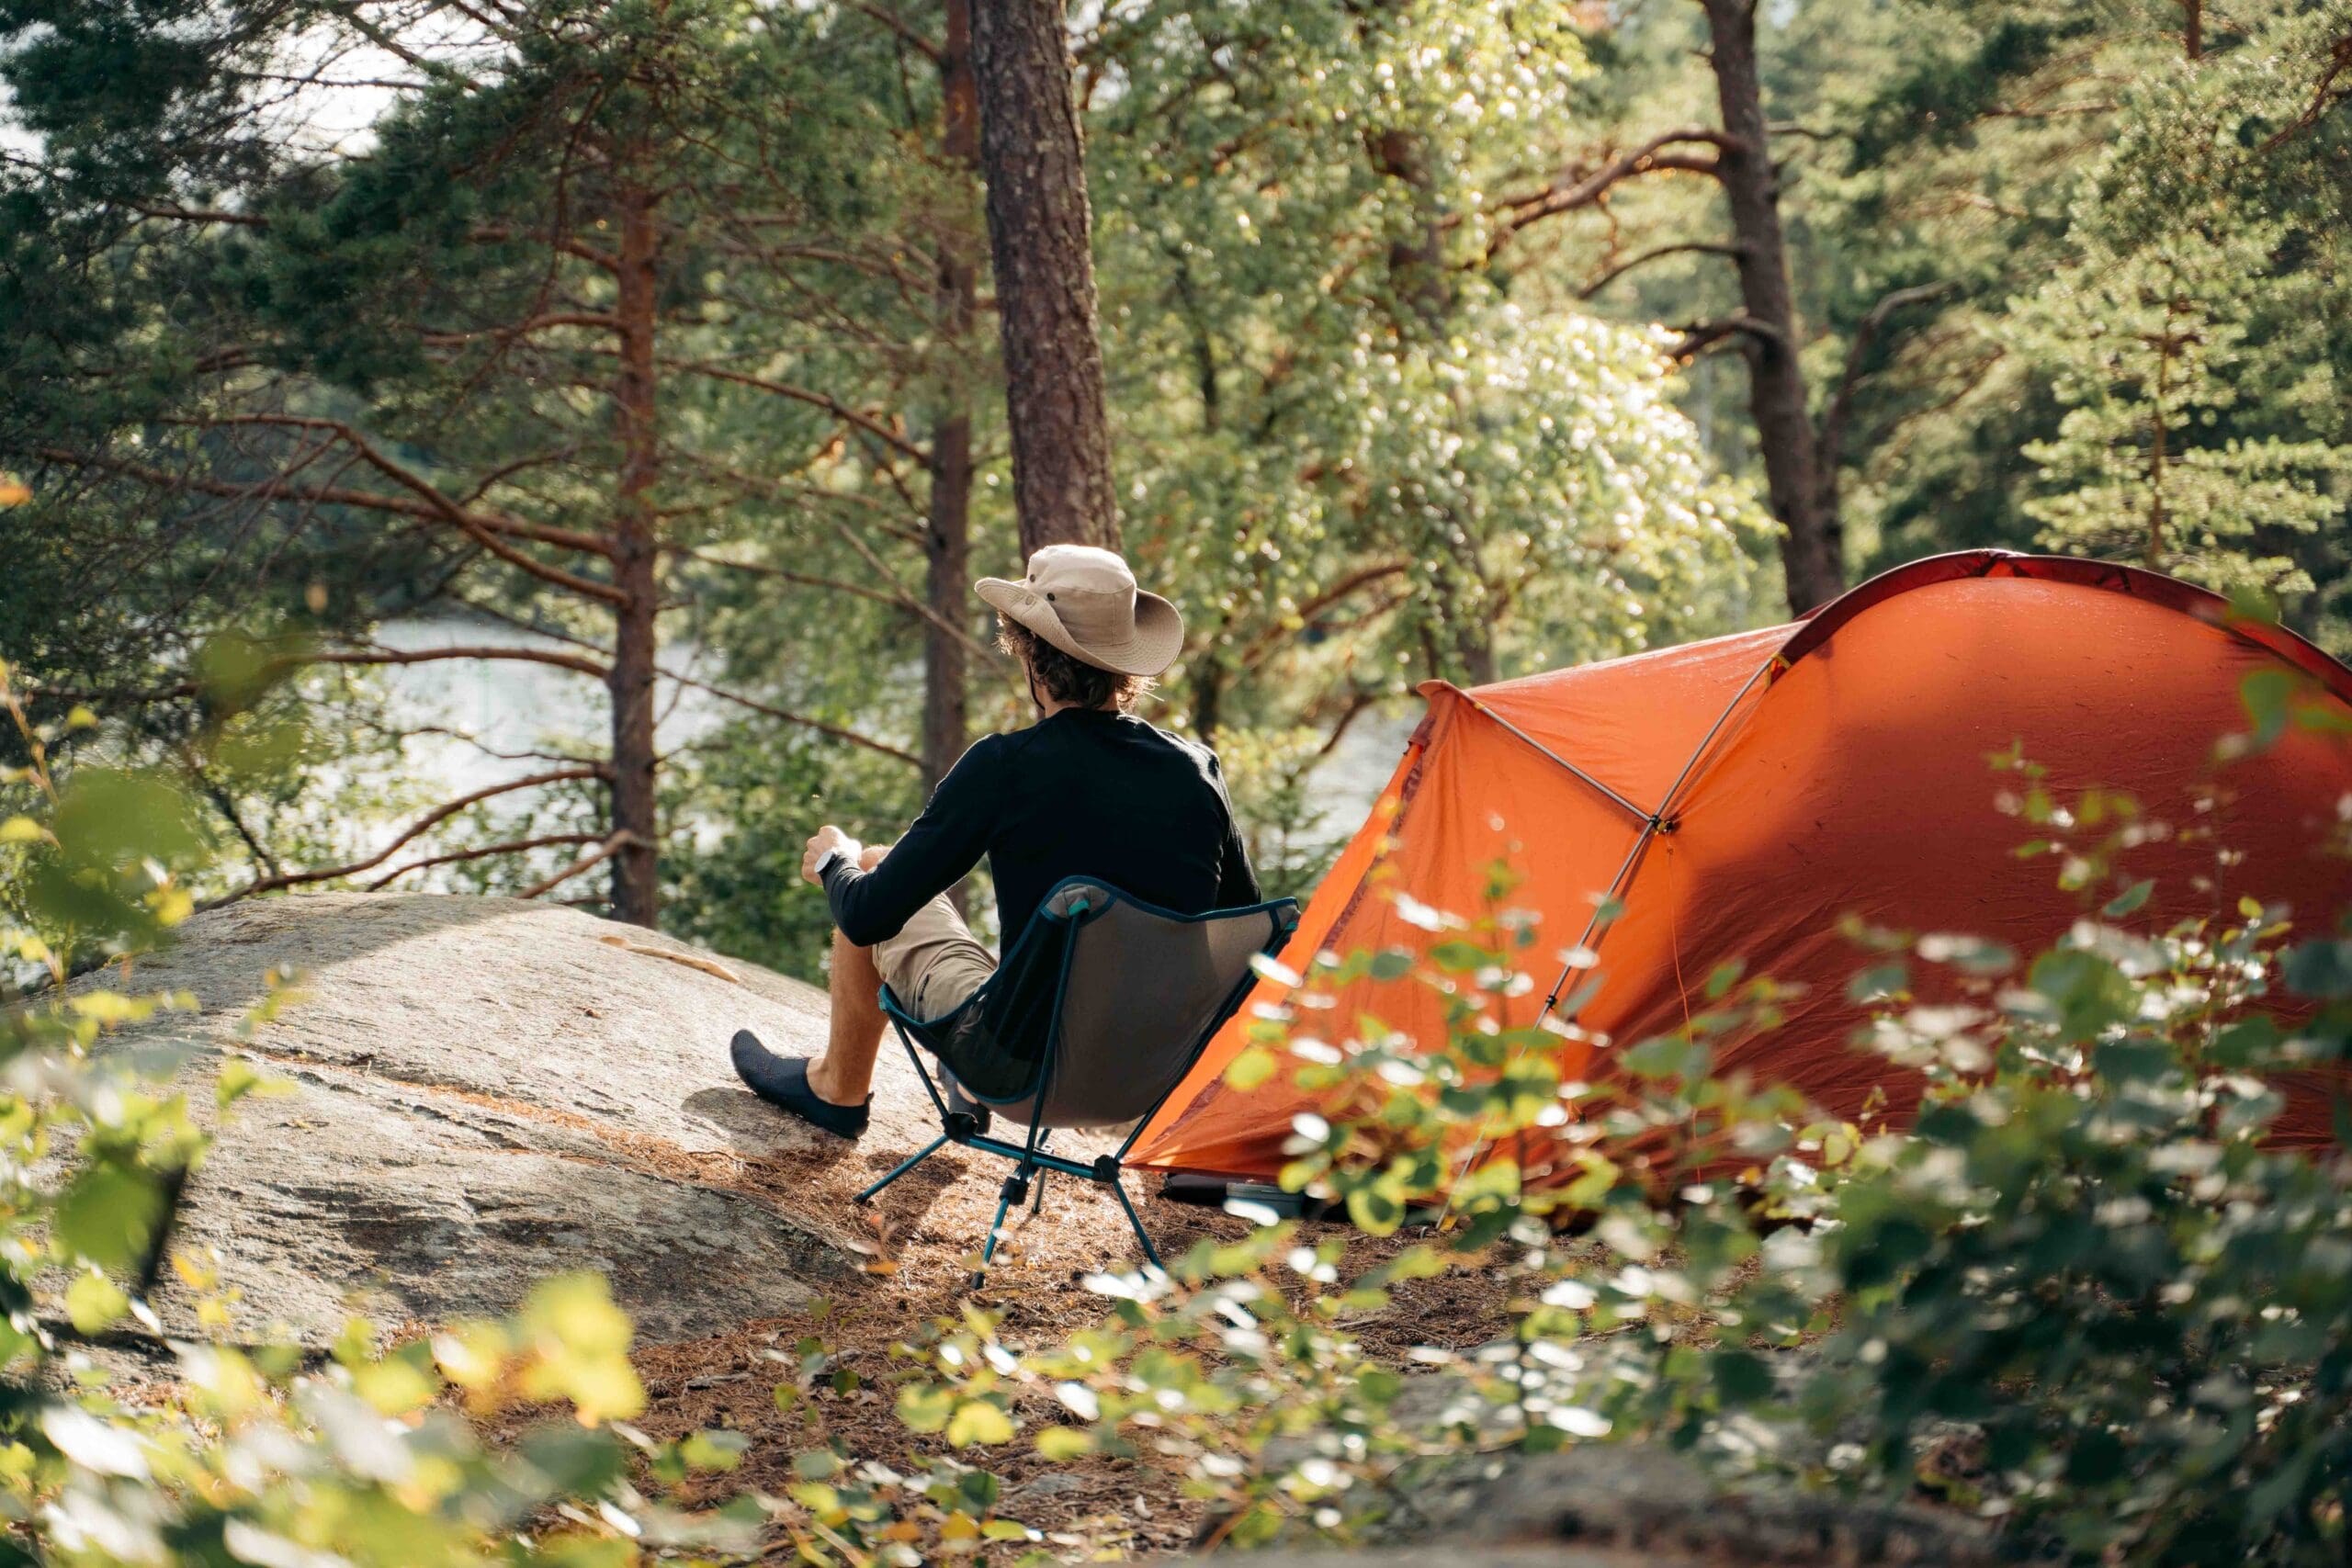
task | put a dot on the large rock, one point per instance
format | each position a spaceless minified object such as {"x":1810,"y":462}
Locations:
{"x":485,"y":1091}
{"x":1643,"y":1499}
{"x":1640,"y":1505}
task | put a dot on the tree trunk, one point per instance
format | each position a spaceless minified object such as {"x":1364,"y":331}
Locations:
{"x":2159,"y":438}
{"x":947,"y":542}
{"x":1040,"y":238}
{"x":637,"y":889}
{"x":1416,"y":270}
{"x":1812,"y":551}
{"x":947,"y":548}
{"x":1208,"y":679}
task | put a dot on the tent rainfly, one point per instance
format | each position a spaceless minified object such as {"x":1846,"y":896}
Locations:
{"x":1740,"y":796}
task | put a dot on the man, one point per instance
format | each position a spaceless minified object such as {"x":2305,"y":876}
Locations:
{"x":1089,"y":790}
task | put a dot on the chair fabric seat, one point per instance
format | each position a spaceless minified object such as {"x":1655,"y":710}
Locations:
{"x":1099,"y":1006}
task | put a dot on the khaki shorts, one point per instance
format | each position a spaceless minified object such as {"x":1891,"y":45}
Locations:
{"x":935,"y":963}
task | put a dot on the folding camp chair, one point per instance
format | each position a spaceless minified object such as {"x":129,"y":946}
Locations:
{"x":1095,"y":1015}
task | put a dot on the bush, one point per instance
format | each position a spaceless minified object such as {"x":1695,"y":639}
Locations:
{"x":253,"y":1455}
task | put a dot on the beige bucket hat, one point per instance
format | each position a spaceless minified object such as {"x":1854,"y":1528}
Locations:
{"x":1084,"y":601}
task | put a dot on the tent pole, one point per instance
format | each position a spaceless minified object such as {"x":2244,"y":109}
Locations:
{"x":1539,"y":746}
{"x":1649,"y":827}
{"x":1624,"y":871}
{"x":1653,"y":823}
{"x":1707,"y":739}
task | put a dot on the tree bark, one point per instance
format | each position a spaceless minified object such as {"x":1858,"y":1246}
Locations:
{"x":1416,"y":259}
{"x":948,"y":541}
{"x":947,"y":550}
{"x":1829,"y":431}
{"x":1040,"y":238}
{"x":637,"y":889}
{"x":1811,"y":550}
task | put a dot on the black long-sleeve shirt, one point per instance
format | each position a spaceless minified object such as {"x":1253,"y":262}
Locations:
{"x":1083,"y":792}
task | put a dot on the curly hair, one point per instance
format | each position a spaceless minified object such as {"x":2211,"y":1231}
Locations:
{"x":1057,"y":675}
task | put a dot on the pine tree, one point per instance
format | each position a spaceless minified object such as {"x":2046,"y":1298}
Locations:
{"x":2148,"y":351}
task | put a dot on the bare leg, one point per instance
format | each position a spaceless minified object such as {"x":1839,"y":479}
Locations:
{"x":844,"y":1074}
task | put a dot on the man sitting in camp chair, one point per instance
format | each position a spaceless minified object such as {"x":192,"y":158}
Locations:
{"x":1089,"y":790}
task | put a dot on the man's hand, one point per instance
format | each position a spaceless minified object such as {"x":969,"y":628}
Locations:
{"x":827,"y":840}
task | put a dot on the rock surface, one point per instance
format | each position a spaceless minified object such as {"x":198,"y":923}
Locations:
{"x":483,"y":1091}
{"x":1657,"y":1506}
{"x":1641,"y":1506}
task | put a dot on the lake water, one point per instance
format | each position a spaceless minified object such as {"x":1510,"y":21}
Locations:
{"x":513,"y":707}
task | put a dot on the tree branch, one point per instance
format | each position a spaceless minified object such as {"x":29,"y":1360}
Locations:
{"x":900,"y":26}
{"x":819,"y":725}
{"x":282,"y":488}
{"x":602,"y":852}
{"x":441,"y":505}
{"x":1263,"y":645}
{"x":1831,"y":438}
{"x":1699,"y":336}
{"x":802,"y":579}
{"x":1703,"y":247}
{"x":831,"y":404}
{"x":897,"y":598}
{"x":500,"y":233}
{"x":1567,"y":193}
{"x":882,"y":570}
{"x":600,"y":320}
{"x":201,"y":215}
{"x":425,"y":823}
{"x":380,"y":655}
{"x":2325,"y":95}
{"x":117,"y":697}
{"x":512,"y":846}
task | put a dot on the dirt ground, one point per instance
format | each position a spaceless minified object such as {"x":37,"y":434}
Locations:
{"x":925,"y":1230}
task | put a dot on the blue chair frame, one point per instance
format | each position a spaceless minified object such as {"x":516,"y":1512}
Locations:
{"x":1030,"y":1157}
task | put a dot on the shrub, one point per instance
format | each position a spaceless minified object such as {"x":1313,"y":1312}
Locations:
{"x":255,"y":1455}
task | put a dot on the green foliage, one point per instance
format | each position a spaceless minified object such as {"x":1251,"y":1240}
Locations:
{"x":1357,"y":458}
{"x":749,"y":804}
{"x":1368,"y":435}
{"x":319,"y":388}
{"x":374,"y":1458}
{"x":1980,"y":198}
{"x":2148,"y":351}
{"x":1283,"y":810}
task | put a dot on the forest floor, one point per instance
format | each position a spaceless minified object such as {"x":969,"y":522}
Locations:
{"x":925,"y":1232}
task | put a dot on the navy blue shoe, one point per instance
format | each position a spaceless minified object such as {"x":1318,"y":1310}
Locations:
{"x":783,"y":1082}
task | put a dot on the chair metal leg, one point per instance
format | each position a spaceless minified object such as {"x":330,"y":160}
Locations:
{"x":1119,"y":1189}
{"x":1015,"y":1188}
{"x":905,"y":1166}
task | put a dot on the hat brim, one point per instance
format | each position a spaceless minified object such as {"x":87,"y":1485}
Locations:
{"x":1150,"y":648}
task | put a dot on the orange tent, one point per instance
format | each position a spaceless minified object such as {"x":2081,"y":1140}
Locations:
{"x":1740,"y":796}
